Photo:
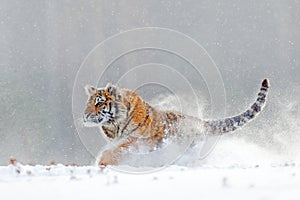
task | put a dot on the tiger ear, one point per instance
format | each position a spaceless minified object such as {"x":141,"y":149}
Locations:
{"x":90,"y":90}
{"x":111,"y":89}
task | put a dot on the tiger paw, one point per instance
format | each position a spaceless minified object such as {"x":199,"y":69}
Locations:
{"x":108,"y":158}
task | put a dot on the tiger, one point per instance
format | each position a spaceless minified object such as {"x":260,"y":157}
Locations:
{"x":124,"y":117}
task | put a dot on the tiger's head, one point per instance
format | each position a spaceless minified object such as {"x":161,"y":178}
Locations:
{"x":103,"y":106}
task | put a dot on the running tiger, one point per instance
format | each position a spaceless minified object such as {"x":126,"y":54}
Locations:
{"x":125,"y":118}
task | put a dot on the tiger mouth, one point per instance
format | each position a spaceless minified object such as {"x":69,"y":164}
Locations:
{"x":90,"y":121}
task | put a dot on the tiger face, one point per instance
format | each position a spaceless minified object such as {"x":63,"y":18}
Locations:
{"x":102,"y":106}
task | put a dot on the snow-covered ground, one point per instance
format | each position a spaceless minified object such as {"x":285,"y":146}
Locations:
{"x":236,"y":169}
{"x":174,"y":182}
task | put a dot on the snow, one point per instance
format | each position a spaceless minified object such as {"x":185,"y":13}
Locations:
{"x":174,"y":182}
{"x":235,"y":169}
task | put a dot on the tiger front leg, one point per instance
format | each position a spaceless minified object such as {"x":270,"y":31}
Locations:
{"x":110,"y":157}
{"x":114,"y":156}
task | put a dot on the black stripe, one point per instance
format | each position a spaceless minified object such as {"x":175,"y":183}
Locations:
{"x":109,"y":107}
{"x":118,"y":128}
{"x":261,"y":100}
{"x":103,"y":115}
{"x":242,"y":121}
{"x":248,"y":114}
{"x":264,"y":89}
{"x":107,"y":132}
{"x":224,"y":129}
{"x":255,"y":107}
{"x":265,"y":83}
{"x":237,"y":118}
{"x":128,"y":109}
{"x":229,"y":122}
{"x":141,"y":124}
{"x":130,"y":118}
{"x":126,"y":124}
{"x":263,"y":95}
{"x":116,"y":108}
